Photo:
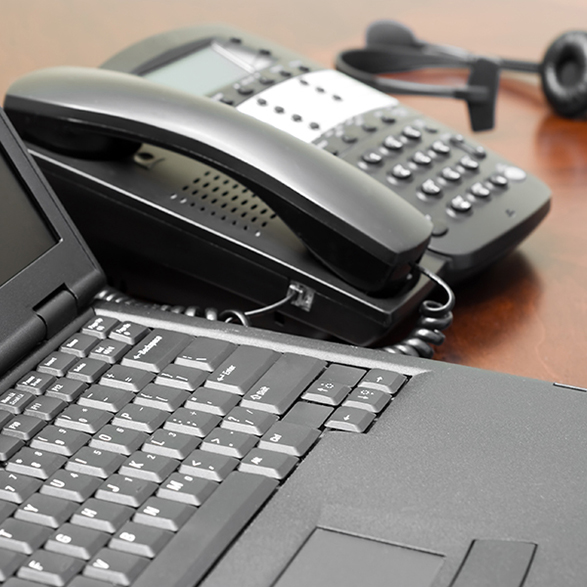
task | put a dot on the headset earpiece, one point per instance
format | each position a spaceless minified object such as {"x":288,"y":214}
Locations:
{"x":564,"y":74}
{"x":390,"y":32}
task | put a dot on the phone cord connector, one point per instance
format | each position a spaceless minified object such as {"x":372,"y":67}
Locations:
{"x":434,"y":318}
{"x":110,"y":294}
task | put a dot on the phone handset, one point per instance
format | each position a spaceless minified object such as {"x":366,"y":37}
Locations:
{"x":360,"y":229}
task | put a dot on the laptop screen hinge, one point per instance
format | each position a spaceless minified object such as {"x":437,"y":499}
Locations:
{"x":57,"y":311}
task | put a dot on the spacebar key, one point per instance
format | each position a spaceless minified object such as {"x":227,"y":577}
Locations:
{"x":199,"y":543}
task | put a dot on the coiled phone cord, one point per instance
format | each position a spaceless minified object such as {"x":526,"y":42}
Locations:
{"x":434,"y":317}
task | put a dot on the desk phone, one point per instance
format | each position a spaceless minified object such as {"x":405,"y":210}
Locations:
{"x":226,"y":160}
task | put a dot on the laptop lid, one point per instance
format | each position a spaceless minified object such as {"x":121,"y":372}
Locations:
{"x":47,"y":273}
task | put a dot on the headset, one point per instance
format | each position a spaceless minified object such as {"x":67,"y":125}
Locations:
{"x":391,"y":47}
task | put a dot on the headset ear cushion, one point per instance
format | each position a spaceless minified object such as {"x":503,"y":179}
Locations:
{"x":564,"y":74}
{"x":390,"y":32}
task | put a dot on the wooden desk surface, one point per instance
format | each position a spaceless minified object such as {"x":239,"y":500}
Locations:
{"x":527,"y":314}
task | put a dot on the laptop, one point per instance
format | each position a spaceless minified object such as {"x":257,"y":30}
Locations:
{"x":143,"y":447}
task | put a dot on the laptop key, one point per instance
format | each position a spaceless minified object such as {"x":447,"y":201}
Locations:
{"x":292,"y":439}
{"x":100,"y":326}
{"x":229,"y":442}
{"x":56,"y":364}
{"x":14,"y":402}
{"x":126,"y":490}
{"x":164,"y":514}
{"x":161,"y":398}
{"x":50,"y":568}
{"x":156,"y":350}
{"x":105,"y":398}
{"x":87,"y":370}
{"x":129,"y":332}
{"x":171,"y":444}
{"x":181,"y":377}
{"x":79,"y":345}
{"x":149,"y":467}
{"x":120,"y":568}
{"x":269,"y":463}
{"x":118,"y":439}
{"x":23,"y":427}
{"x":387,"y":381}
{"x":62,"y":441}
{"x":191,"y":422}
{"x":205,"y":353}
{"x":140,"y":539}
{"x":9,"y":446}
{"x":241,"y":369}
{"x":83,"y":419}
{"x":208,"y":465}
{"x":36,"y":463}
{"x":102,"y":515}
{"x":72,"y":540}
{"x":22,"y":536}
{"x":212,"y":401}
{"x":45,"y":408}
{"x":141,"y":418}
{"x":372,"y":400}
{"x":127,"y":378}
{"x":350,"y":419}
{"x":250,"y":421}
{"x":283,"y":383}
{"x":45,"y":510}
{"x":186,"y":489}
{"x":35,"y":383}
{"x":95,"y":462}
{"x":214,"y":525}
{"x":71,"y":485}
{"x":16,"y":488}
{"x":109,"y":351}
{"x":329,"y":393}
{"x":67,"y":390}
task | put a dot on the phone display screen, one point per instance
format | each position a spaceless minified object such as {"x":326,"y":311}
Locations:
{"x":24,"y":236}
{"x":204,"y":71}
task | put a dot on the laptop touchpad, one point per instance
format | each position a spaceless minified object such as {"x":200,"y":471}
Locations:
{"x":329,"y":559}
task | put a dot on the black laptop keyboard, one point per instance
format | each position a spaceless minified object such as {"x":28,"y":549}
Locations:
{"x":127,"y":444}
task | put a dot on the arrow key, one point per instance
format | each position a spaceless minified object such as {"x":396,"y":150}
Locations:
{"x":350,"y":419}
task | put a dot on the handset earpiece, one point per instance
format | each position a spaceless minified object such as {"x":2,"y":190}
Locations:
{"x":563,"y":73}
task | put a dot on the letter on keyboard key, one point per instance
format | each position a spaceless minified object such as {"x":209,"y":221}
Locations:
{"x":120,"y":568}
{"x":76,"y":541}
{"x":22,"y":536}
{"x":156,"y":351}
{"x":210,"y":530}
{"x":140,"y":539}
{"x":50,"y":568}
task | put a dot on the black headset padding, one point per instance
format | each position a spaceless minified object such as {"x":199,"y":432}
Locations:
{"x":390,"y":32}
{"x":567,"y":97}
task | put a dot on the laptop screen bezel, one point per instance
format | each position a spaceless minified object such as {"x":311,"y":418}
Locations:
{"x":68,"y":264}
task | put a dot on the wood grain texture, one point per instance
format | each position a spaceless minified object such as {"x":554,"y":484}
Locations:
{"x":525,"y":315}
